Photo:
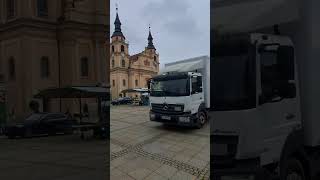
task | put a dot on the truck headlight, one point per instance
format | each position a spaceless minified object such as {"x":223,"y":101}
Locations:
{"x":152,"y":116}
{"x":177,"y":108}
{"x":184,"y":119}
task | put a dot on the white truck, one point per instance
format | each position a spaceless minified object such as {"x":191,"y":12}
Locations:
{"x":265,"y":102}
{"x":181,"y":93}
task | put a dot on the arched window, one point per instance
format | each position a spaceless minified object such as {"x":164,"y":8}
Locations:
{"x":112,"y":62}
{"x":123,"y":63}
{"x":42,"y":8}
{"x":12,"y":68}
{"x":122,"y":48}
{"x":112,"y":48}
{"x":136,"y":82}
{"x":44,"y":67}
{"x":84,"y":67}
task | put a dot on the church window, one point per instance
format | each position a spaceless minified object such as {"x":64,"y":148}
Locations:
{"x":84,"y":67}
{"x":44,"y":67}
{"x":146,"y":63}
{"x":122,"y":48}
{"x":12,"y":68}
{"x":136,"y":82}
{"x":113,"y":83}
{"x":112,"y":62}
{"x":123,"y":63}
{"x":10,"y":8}
{"x":155,"y":58}
{"x":42,"y":8}
{"x":124,"y":82}
{"x":112,"y":48}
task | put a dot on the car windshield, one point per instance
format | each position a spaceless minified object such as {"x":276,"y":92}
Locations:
{"x":34,"y":117}
{"x":233,"y":82}
{"x":172,"y":87}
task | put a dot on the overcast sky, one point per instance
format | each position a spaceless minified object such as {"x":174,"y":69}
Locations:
{"x":180,"y":28}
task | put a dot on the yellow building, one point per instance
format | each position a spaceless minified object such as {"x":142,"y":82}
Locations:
{"x":130,"y":71}
{"x":50,"y":44}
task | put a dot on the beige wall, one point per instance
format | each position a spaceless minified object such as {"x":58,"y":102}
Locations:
{"x":133,"y":70}
{"x":82,"y":35}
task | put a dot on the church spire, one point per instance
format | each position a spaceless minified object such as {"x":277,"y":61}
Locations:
{"x":117,"y":25}
{"x":150,"y":40}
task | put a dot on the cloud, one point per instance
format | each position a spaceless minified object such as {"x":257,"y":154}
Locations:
{"x":180,"y":28}
{"x":173,"y":16}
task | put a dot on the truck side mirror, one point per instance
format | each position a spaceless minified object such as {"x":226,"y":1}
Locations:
{"x":288,"y":90}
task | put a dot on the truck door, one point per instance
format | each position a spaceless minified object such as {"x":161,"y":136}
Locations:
{"x":277,"y":98}
{"x":197,"y":95}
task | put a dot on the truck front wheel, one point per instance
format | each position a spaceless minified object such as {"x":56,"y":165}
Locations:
{"x":294,"y":170}
{"x":202,"y":118}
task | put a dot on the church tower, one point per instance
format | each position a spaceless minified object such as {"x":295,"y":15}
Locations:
{"x":151,"y":51}
{"x":119,"y":47}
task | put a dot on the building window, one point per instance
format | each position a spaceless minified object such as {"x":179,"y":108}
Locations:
{"x":113,"y":83}
{"x":123,"y":63}
{"x":42,"y":8}
{"x":112,"y":48}
{"x":84,"y":67}
{"x":112,"y":62}
{"x":10,"y":8}
{"x":12,"y":68}
{"x":124,"y":82}
{"x":44,"y":67}
{"x":146,"y":63}
{"x":155,"y":58}
{"x":122,"y":48}
{"x":136,"y":82}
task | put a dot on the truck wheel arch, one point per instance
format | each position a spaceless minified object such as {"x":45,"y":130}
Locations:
{"x":294,"y":148}
{"x":202,"y":107}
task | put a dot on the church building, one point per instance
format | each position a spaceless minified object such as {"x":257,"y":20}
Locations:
{"x":130,"y":71}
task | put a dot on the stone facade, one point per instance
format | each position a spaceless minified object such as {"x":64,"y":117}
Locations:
{"x":130,"y":71}
{"x":45,"y":43}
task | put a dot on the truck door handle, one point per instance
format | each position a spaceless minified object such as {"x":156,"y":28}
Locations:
{"x":290,"y":116}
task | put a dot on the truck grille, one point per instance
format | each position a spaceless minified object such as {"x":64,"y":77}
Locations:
{"x":166,"y":108}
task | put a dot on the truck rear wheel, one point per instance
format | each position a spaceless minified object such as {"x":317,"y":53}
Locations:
{"x":202,"y":118}
{"x":294,"y":170}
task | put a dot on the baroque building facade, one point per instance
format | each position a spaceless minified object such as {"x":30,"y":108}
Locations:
{"x":50,"y":44}
{"x":130,"y":71}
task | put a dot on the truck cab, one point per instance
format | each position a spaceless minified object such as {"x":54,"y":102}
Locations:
{"x":178,"y":98}
{"x":255,"y":101}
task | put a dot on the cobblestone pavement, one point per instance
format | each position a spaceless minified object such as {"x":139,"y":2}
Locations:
{"x":141,"y":149}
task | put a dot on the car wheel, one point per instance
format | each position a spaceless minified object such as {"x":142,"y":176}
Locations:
{"x":294,"y":170}
{"x":202,"y":118}
{"x":28,"y":133}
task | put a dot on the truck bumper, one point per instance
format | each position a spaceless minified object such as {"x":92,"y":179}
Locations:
{"x":181,"y":119}
{"x":238,"y":168}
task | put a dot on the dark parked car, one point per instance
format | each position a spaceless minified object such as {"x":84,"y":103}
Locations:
{"x":124,"y":100}
{"x":41,"y":124}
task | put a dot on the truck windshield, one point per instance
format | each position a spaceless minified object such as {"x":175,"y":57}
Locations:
{"x":233,"y":82}
{"x":172,"y":87}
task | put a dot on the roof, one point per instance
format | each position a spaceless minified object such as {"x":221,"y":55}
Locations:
{"x":140,"y":90}
{"x":74,"y":92}
{"x":134,"y":57}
